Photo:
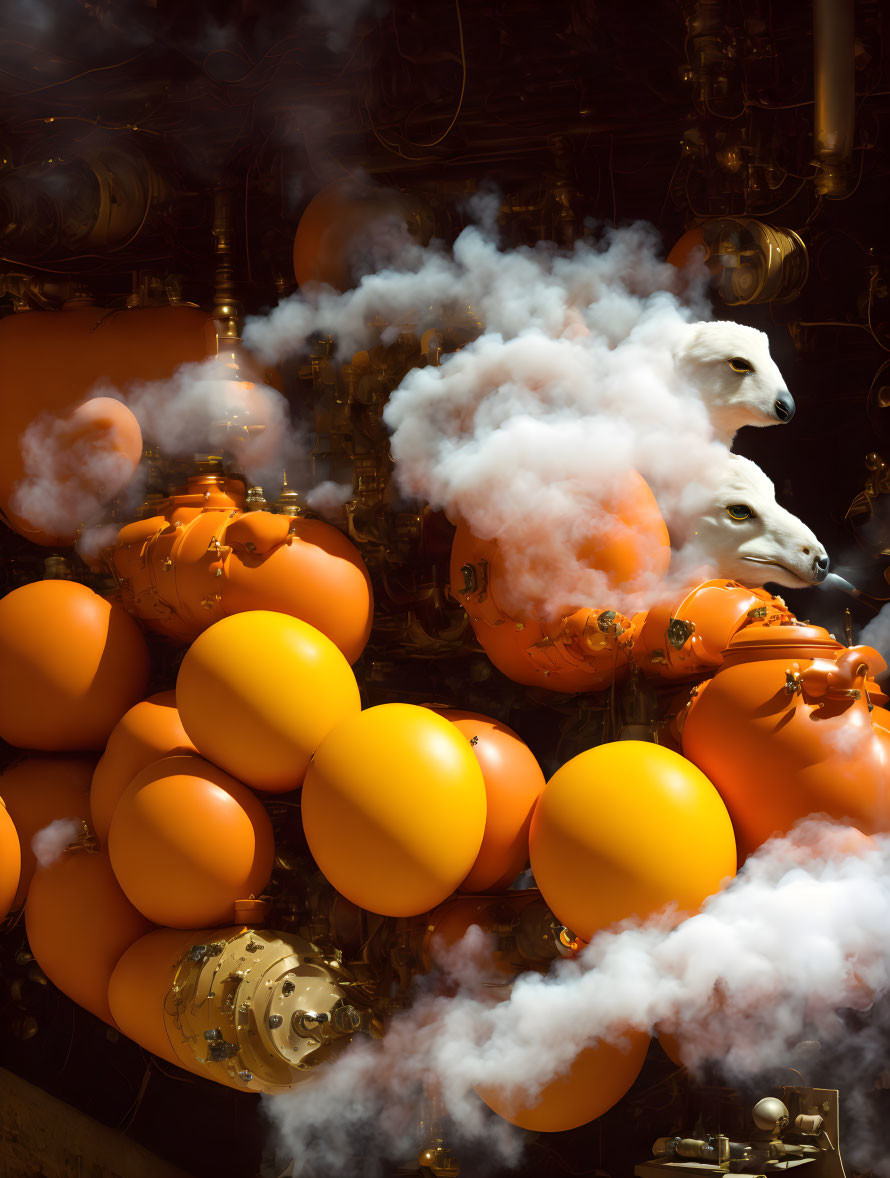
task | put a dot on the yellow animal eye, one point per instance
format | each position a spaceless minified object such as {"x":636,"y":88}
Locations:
{"x":739,"y":364}
{"x":739,"y":511}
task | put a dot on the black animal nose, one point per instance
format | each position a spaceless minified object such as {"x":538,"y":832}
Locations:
{"x":822,"y":568}
{"x":784,"y":406}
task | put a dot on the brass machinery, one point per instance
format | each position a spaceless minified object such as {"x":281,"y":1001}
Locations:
{"x":798,"y":1127}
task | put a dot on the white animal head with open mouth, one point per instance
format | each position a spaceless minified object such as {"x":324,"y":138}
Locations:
{"x":746,"y":536}
{"x":739,"y":382}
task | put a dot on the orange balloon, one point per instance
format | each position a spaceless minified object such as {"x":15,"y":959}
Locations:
{"x":259,"y":691}
{"x":79,"y":923}
{"x":10,"y":861}
{"x":513,"y":784}
{"x":394,"y":809}
{"x":41,"y":790}
{"x":61,"y":356}
{"x":71,"y":664}
{"x":149,"y":731}
{"x":597,"y":1079}
{"x":624,"y":830}
{"x":187,"y":841}
{"x":334,"y":230}
{"x":301,"y":567}
{"x":76,"y":463}
{"x":684,"y":248}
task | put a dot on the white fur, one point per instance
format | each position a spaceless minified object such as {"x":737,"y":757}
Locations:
{"x":773,"y":547}
{"x":731,"y":399}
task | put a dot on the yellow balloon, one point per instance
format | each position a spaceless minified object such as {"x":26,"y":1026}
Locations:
{"x":624,"y":829}
{"x":394,"y":809}
{"x":259,"y":691}
{"x":597,"y":1080}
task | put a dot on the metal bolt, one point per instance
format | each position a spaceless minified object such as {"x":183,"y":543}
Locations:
{"x":287,"y":989}
{"x":275,"y":1020}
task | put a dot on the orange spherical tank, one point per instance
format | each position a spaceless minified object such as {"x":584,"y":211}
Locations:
{"x":259,"y":691}
{"x":187,"y":841}
{"x":625,"y":830}
{"x":203,"y":559}
{"x":140,"y":985}
{"x":394,"y":809}
{"x":513,"y":784}
{"x":10,"y":861}
{"x":597,"y":1079}
{"x":71,"y":664}
{"x":41,"y":790}
{"x":585,"y":648}
{"x":79,"y":923}
{"x":301,"y":567}
{"x":149,"y":731}
{"x":75,"y":464}
{"x":334,"y":231}
{"x":784,"y":730}
{"x":61,"y":357}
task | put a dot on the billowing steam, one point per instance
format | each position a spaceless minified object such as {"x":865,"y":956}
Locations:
{"x":792,"y":951}
{"x":204,"y":406}
{"x":876,"y":633}
{"x":49,"y":843}
{"x":589,"y":364}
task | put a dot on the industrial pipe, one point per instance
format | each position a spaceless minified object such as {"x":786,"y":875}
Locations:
{"x":833,"y":64}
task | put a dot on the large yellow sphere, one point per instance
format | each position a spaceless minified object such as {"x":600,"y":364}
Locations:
{"x":10,"y":861}
{"x":625,"y":829}
{"x":598,"y":1078}
{"x":394,"y":809}
{"x":71,"y":664}
{"x":187,"y":841}
{"x":259,"y":691}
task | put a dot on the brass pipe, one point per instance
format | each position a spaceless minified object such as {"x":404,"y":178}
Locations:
{"x":226,"y":307}
{"x":835,"y":95}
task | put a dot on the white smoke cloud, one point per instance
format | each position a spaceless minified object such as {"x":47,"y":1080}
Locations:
{"x":49,"y":843}
{"x":795,"y":949}
{"x":70,"y":474}
{"x":327,"y":497}
{"x":205,"y":404}
{"x":876,"y":633}
{"x":527,"y":432}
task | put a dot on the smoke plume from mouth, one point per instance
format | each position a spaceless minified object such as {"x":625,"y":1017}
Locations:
{"x":795,"y":949}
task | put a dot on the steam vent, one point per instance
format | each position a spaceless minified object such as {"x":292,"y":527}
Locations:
{"x":444,"y":588}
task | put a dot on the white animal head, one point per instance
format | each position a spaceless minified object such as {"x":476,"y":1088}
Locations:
{"x":730,"y":367}
{"x":746,"y":536}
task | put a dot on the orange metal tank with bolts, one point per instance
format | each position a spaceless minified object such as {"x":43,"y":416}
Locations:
{"x":41,"y":790}
{"x":585,"y":648}
{"x":202,"y":558}
{"x":53,"y":360}
{"x":687,"y":639}
{"x":786,"y":729}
